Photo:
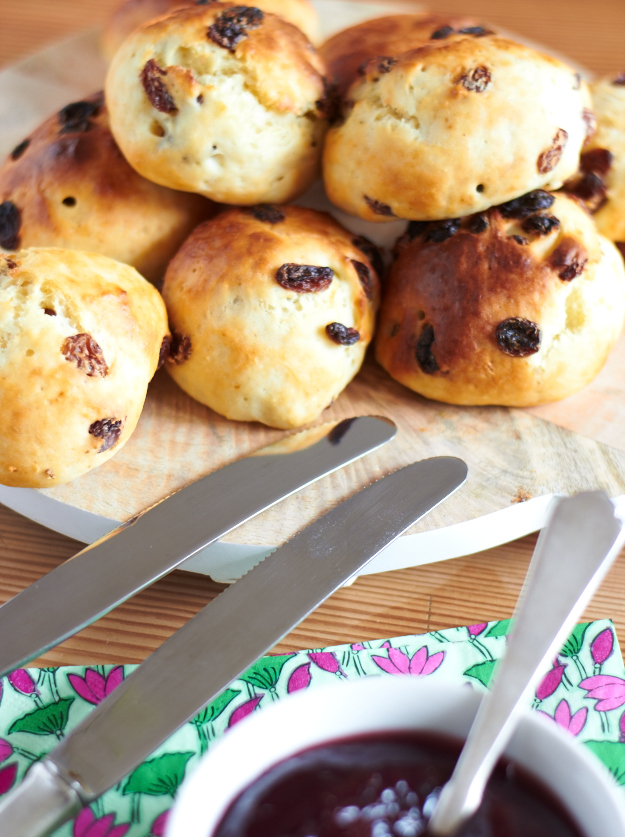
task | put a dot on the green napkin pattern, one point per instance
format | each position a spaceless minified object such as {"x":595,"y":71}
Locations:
{"x":584,"y":692}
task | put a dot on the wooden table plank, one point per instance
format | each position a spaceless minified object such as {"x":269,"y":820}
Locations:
{"x":466,"y":590}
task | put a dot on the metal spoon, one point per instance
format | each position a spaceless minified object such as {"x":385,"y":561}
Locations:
{"x":572,"y":556}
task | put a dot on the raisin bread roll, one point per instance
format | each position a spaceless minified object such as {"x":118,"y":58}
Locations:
{"x":80,"y":338}
{"x":225,"y":101}
{"x":517,"y":306}
{"x":135,"y":13}
{"x":68,"y":186}
{"x":455,"y":127}
{"x":601,"y":181}
{"x":347,"y":52}
{"x":272,"y":309}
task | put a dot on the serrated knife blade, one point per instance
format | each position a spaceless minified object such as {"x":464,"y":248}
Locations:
{"x":243,"y":622}
{"x":153,"y":543}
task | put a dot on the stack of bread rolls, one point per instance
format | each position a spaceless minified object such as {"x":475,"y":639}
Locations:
{"x":214,"y":119}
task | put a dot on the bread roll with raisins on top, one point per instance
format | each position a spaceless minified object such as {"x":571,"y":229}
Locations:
{"x":601,"y":180}
{"x":226,"y":101}
{"x":516,"y":306}
{"x":271,"y":309}
{"x":346,"y":52}
{"x":81,"y":336}
{"x":454,"y":127}
{"x":135,"y":13}
{"x":69,"y":186}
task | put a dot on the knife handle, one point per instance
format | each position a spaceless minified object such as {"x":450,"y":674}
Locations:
{"x":39,"y":805}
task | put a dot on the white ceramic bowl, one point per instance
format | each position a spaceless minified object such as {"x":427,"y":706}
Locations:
{"x":309,"y":718}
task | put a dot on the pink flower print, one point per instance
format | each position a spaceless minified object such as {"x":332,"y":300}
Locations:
{"x":299,"y":679}
{"x":22,"y":682}
{"x":608,"y":691}
{"x":327,"y":661}
{"x":86,"y":825}
{"x":93,"y":687}
{"x":6,"y":751}
{"x":562,"y":716}
{"x":550,"y":682}
{"x":621,"y":725}
{"x":159,"y":824}
{"x":7,"y":777}
{"x":244,"y":710}
{"x":601,"y":648}
{"x":419,"y":665}
{"x":357,"y":646}
{"x":476,"y":630}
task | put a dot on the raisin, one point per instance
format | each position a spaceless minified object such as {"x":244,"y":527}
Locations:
{"x":423,"y":353}
{"x":540,"y":224}
{"x":231,"y":26}
{"x":304,"y":278}
{"x":364,"y":274}
{"x":10,"y":223}
{"x":83,"y":350}
{"x":415,"y":229}
{"x":549,"y":159}
{"x":20,"y":149}
{"x":384,"y":64}
{"x":108,"y":429}
{"x":179,"y":348}
{"x":478,"y":224}
{"x":476,"y":80}
{"x":156,"y":89}
{"x":440,"y":34}
{"x":75,"y":117}
{"x":268,"y":214}
{"x":164,"y":351}
{"x":443,"y":230}
{"x":518,"y":337}
{"x":371,"y":252}
{"x":341,"y":334}
{"x":519,"y":239}
{"x":329,"y":106}
{"x":569,"y":259}
{"x":599,"y":161}
{"x":476,"y":31}
{"x":11,"y":265}
{"x":620,"y":79}
{"x":378,"y":207}
{"x":592,"y":190}
{"x":591,"y":124}
{"x":526,"y":205}
{"x":50,"y":312}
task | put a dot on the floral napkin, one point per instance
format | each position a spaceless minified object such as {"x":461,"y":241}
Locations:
{"x":584,"y":692}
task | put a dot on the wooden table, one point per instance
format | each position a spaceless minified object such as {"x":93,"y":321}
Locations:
{"x":466,"y":590}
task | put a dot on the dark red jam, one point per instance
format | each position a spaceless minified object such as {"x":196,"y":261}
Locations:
{"x":385,"y":786}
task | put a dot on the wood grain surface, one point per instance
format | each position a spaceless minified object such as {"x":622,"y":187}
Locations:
{"x":462,"y":591}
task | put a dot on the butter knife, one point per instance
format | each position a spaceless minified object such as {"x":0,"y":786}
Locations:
{"x":243,"y":622}
{"x":159,"y":539}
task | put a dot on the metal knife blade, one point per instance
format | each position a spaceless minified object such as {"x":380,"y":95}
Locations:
{"x":156,"y":541}
{"x":243,"y":622}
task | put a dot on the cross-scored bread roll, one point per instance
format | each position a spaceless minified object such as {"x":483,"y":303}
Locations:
{"x":271,"y":310}
{"x":80,"y":338}
{"x":517,"y":306}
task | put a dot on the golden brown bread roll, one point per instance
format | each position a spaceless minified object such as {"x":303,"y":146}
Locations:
{"x":132,"y":14}
{"x":517,"y":306}
{"x":68,"y":185}
{"x":454,"y":127}
{"x":225,"y":101}
{"x":601,"y":180}
{"x":80,"y":338}
{"x":271,"y":309}
{"x":346,"y":52}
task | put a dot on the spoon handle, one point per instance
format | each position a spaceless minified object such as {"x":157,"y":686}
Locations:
{"x":573,"y":554}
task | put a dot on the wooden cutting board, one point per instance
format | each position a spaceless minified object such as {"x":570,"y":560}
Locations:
{"x":513,"y":455}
